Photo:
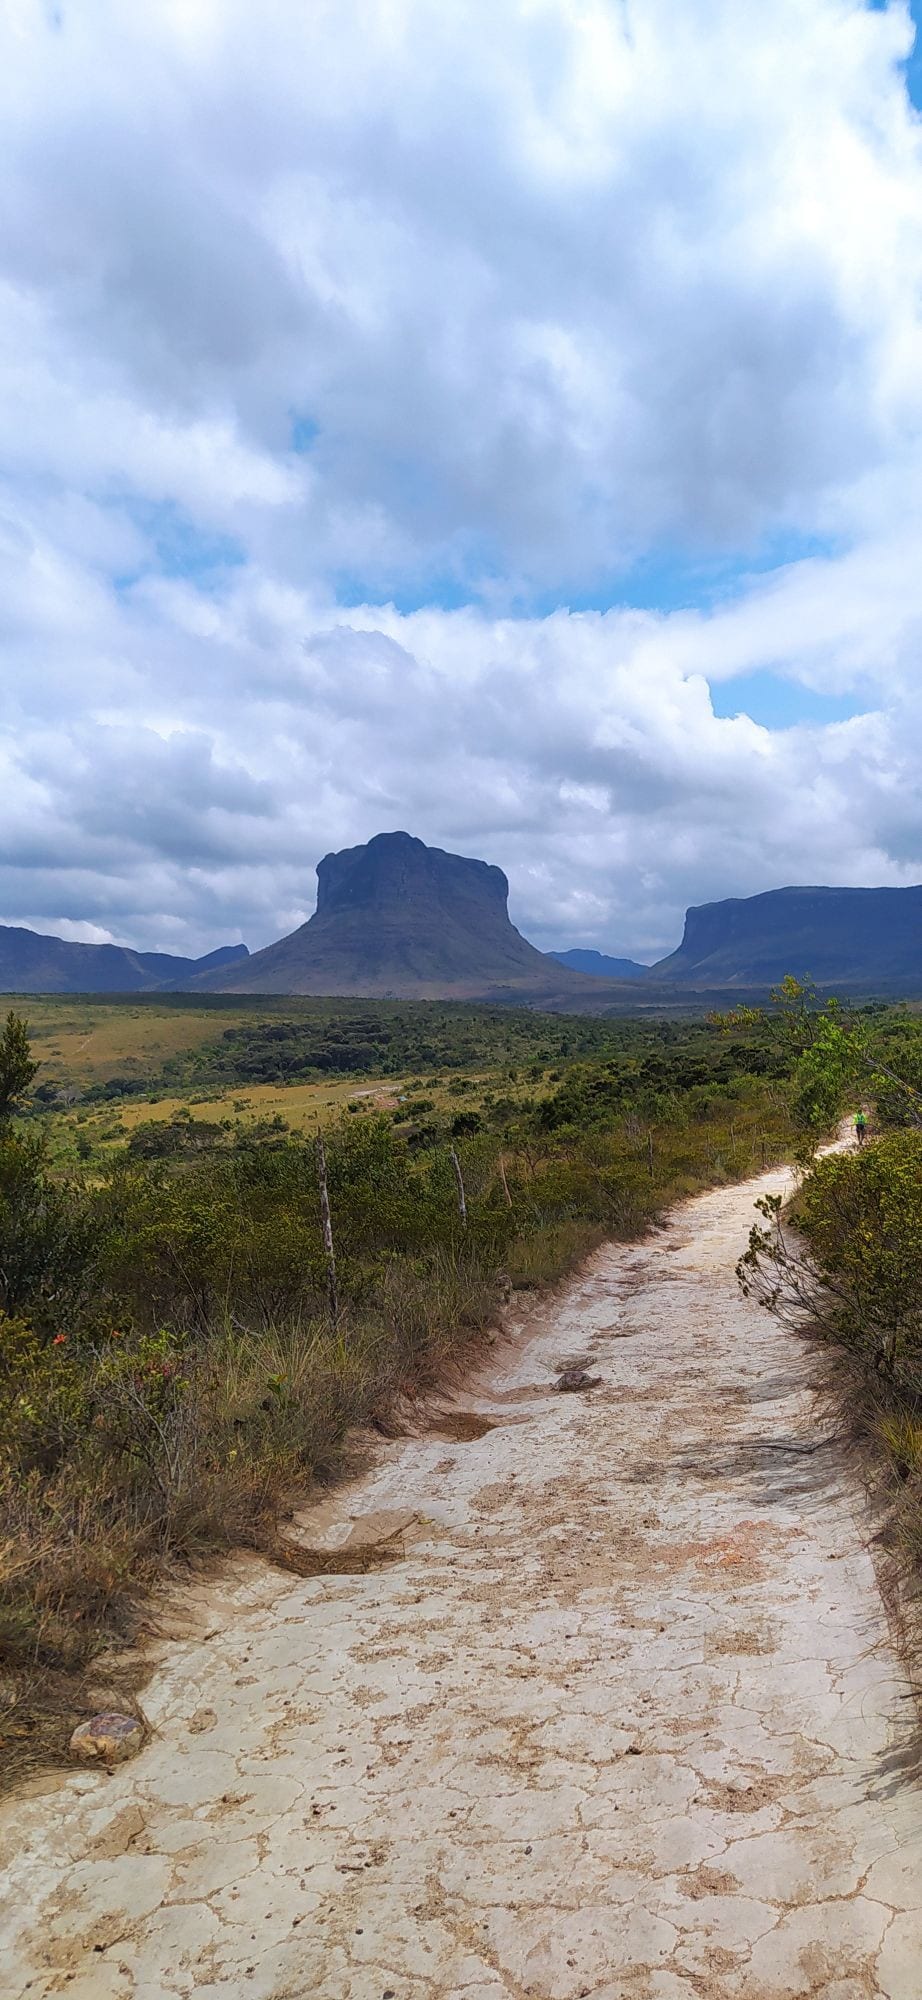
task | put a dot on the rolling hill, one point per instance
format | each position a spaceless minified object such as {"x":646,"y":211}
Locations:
{"x":599,"y":965}
{"x":33,"y":963}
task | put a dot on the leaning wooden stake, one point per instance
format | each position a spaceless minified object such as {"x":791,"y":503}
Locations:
{"x":462,"y":1204}
{"x":327,"y":1231}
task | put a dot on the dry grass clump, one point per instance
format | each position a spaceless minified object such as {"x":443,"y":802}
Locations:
{"x":202,"y":1450}
{"x":899,"y":1433}
{"x":255,"y":1417}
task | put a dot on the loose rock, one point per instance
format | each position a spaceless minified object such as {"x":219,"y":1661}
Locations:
{"x":107,"y":1739}
{"x":576,"y":1378}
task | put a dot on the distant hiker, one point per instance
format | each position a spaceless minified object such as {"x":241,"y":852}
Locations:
{"x":861,"y":1127}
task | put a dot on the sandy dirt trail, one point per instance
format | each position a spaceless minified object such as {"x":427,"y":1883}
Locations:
{"x":624,"y":1720}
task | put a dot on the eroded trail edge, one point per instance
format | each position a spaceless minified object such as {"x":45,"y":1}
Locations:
{"x":624,"y":1721}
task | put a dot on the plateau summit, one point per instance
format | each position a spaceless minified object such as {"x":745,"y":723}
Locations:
{"x":398,"y":919}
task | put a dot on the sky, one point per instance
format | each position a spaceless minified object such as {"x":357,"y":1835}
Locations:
{"x":500,"y":420}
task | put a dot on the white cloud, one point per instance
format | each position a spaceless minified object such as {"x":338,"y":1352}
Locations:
{"x":383,"y":297}
{"x":572,"y":749}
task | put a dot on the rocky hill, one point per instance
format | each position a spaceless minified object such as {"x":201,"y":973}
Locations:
{"x":396,"y":918}
{"x":860,"y":941}
{"x":32,"y":963}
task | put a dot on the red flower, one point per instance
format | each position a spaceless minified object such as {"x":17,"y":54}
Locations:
{"x":59,"y":1340}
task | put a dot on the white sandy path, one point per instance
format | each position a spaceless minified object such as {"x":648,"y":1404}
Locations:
{"x":625,"y":1723}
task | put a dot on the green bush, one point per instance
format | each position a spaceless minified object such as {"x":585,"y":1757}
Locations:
{"x":849,"y":1271}
{"x":46,"y":1232}
{"x":861,"y":1214}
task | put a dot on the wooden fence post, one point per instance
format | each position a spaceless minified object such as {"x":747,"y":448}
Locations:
{"x":462,"y":1204}
{"x":327,"y":1231}
{"x":650,"y":1167}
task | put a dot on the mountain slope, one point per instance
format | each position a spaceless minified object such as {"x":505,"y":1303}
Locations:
{"x":396,"y":918}
{"x":32,"y":963}
{"x":598,"y":965}
{"x":861,"y":940}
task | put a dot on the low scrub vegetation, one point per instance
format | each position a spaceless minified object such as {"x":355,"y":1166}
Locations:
{"x":843,"y":1260}
{"x":171,"y":1374}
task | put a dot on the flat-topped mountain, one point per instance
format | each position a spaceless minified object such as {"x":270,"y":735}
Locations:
{"x":32,"y":963}
{"x":396,"y":918}
{"x":864,"y":941}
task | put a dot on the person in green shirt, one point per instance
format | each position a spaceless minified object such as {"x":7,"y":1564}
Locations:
{"x":861,"y":1127}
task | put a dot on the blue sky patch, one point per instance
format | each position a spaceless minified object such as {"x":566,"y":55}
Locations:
{"x":665,"y":580}
{"x":778,"y":703}
{"x":914,"y":64}
{"x":304,"y":432}
{"x":181,"y":548}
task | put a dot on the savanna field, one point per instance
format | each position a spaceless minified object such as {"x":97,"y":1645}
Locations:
{"x":174,"y":1371}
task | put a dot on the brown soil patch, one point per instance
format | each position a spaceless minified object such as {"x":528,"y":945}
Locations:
{"x":745,"y":1549}
{"x":462,"y":1426}
{"x":348,"y":1561}
{"x":738,"y":1645}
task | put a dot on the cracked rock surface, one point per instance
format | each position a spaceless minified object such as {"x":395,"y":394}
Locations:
{"x":623,"y":1721}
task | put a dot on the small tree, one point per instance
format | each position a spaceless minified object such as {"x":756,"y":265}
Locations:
{"x":832,"y":1052}
{"x":17,"y":1069}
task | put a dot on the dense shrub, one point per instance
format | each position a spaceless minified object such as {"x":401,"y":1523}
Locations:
{"x":861,"y":1214}
{"x":46,"y":1231}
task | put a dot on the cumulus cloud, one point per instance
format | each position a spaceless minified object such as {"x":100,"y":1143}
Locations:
{"x":310,"y":314}
{"x":574,"y":748}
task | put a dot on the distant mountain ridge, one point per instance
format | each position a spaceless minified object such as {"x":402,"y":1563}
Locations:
{"x":599,"y":965}
{"x":33,"y":963}
{"x":398,"y":919}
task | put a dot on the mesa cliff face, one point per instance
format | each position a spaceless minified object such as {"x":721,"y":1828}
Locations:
{"x":396,"y":918}
{"x":864,"y":941}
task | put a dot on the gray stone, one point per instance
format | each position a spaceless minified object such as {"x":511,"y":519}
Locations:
{"x":576,"y":1378}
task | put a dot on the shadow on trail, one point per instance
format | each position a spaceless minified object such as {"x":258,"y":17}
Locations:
{"x":775,"y":1472}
